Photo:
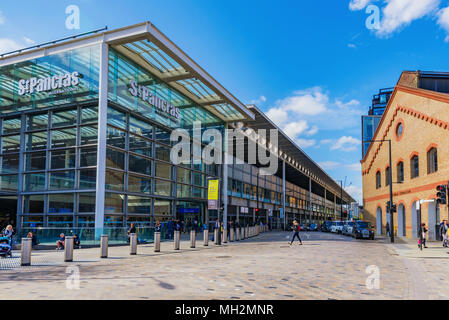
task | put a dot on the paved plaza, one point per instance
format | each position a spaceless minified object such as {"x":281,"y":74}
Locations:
{"x":326,"y":266}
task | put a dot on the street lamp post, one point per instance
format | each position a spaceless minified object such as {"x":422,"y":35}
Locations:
{"x":391,"y":186}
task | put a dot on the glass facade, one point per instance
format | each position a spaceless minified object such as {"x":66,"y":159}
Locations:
{"x":369,"y":126}
{"x":49,"y":146}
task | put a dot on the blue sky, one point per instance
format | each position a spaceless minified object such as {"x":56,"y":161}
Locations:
{"x":313,"y":66}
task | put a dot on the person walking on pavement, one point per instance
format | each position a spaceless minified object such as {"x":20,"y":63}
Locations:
{"x":387,"y":229}
{"x":443,"y":232}
{"x":296,"y":228}
{"x":424,"y":231}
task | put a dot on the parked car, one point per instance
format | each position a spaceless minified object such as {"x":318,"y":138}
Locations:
{"x":347,"y":228}
{"x":337,"y":227}
{"x":326,"y":226}
{"x":363,"y":230}
{"x":313,"y":227}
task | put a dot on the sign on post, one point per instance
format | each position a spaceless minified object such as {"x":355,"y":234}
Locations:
{"x":212,"y":194}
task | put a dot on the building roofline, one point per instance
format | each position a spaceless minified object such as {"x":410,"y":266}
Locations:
{"x":140,"y":31}
{"x":434,"y":95}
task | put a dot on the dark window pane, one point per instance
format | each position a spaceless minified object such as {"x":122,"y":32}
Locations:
{"x":34,"y":182}
{"x":114,"y":180}
{"x":88,"y":135}
{"x":162,"y":153}
{"x":140,"y":145}
{"x":139,"y":204}
{"x":64,"y":118}
{"x":139,"y":184}
{"x":115,"y":137}
{"x":183,"y":175}
{"x":10,"y":163}
{"x":35,"y":161}
{"x":116,"y":118}
{"x":9,"y":182}
{"x":36,"y":141}
{"x":140,"y":128}
{"x":113,"y":203}
{"x":162,"y":188}
{"x":162,"y":136}
{"x":115,"y":159}
{"x":60,"y":203}
{"x":11,"y":125}
{"x":139,"y":164}
{"x":88,"y":157}
{"x":37,"y":122}
{"x":163,"y":170}
{"x":89,"y":114}
{"x":11,"y":144}
{"x":62,"y":180}
{"x":33,"y":204}
{"x":86,"y":203}
{"x":63,"y":138}
{"x":88,"y":178}
{"x":63,"y":159}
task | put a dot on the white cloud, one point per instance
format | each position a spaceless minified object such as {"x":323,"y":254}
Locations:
{"x":7,"y":45}
{"x":277,"y":115}
{"x":352,"y":46}
{"x":355,"y":192}
{"x":312,"y":131}
{"x":443,"y":21}
{"x":400,"y":13}
{"x":329,"y":165}
{"x":305,"y":143}
{"x":354,"y":167}
{"x":259,"y":100}
{"x":293,"y":129}
{"x":307,"y":112}
{"x":307,"y":102}
{"x":355,"y":5}
{"x":28,"y":41}
{"x":346,"y":143}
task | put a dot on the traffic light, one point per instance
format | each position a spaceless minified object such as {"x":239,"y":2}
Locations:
{"x":391,"y":208}
{"x":441,"y":194}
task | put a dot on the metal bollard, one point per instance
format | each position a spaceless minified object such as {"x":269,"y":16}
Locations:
{"x":157,"y":242}
{"x":225,"y":236}
{"x":237,"y":234}
{"x":133,"y":244}
{"x":192,"y":238}
{"x":68,"y":249}
{"x":216,"y":236}
{"x":242,"y":233}
{"x":25,"y":252}
{"x":177,"y":239}
{"x":231,"y":235}
{"x":104,"y":242}
{"x":206,"y":238}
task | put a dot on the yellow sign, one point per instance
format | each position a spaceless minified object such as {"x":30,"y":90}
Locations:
{"x":212,"y":191}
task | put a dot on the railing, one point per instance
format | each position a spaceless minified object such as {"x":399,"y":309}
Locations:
{"x":91,"y":236}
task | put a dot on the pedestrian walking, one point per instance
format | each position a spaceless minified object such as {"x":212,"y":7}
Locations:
{"x":443,"y":233}
{"x":423,"y":235}
{"x":387,"y":229}
{"x":296,"y":228}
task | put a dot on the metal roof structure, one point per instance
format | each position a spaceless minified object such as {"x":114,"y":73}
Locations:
{"x":298,"y":161}
{"x":153,"y":51}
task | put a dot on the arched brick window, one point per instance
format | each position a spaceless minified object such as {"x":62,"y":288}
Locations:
{"x":432,"y":160}
{"x":414,"y":166}
{"x":400,"y":171}
{"x":387,"y":176}
{"x":378,"y":180}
